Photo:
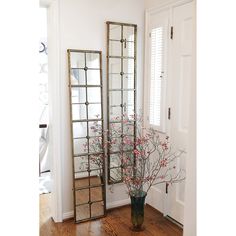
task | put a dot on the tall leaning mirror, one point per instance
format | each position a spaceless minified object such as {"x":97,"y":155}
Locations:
{"x":85,"y":91}
{"x":121,"y":90}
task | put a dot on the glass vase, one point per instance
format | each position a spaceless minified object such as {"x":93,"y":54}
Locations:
{"x":137,"y":211}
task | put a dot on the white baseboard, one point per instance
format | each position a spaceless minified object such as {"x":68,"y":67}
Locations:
{"x":68,"y":215}
{"x":119,"y":203}
{"x":110,"y":205}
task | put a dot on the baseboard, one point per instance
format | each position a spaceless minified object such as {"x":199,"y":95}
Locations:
{"x":68,"y":215}
{"x":119,"y":203}
{"x":110,"y":205}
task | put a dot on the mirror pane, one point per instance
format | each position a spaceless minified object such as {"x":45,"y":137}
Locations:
{"x":114,"y":65}
{"x":95,"y":128}
{"x":82,"y":212}
{"x":128,"y":66}
{"x":115,"y":129}
{"x":115,"y":112}
{"x":81,"y":182}
{"x":77,"y":59}
{"x":115,"y":32}
{"x":128,"y":143}
{"x":78,"y":112}
{"x":95,"y":145}
{"x":115,"y":98}
{"x":94,"y":111}
{"x":77,"y":77}
{"x":96,"y":194}
{"x":128,"y":49}
{"x":97,"y":209}
{"x":80,"y":146}
{"x":94,"y":95}
{"x":81,"y":196}
{"x":81,"y":165}
{"x":93,"y":77}
{"x":96,"y":162}
{"x":115,"y":160}
{"x":114,"y":81}
{"x":115,"y":144}
{"x":128,"y":81}
{"x":115,"y":174}
{"x":93,"y":60}
{"x":115,"y":48}
{"x":96,"y":177}
{"x":78,"y":95}
{"x":128,"y":33}
{"x":128,"y":129}
{"x":79,"y":129}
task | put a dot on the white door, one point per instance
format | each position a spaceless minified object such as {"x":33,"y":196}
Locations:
{"x":155,"y":105}
{"x":182,"y":51}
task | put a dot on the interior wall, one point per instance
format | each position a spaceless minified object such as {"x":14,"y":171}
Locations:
{"x":82,"y":26}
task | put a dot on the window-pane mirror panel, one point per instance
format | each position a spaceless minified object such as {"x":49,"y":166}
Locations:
{"x":77,"y":77}
{"x":85,"y":85}
{"x":121,"y":74}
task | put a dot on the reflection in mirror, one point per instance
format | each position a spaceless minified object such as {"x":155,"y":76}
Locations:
{"x":121,"y":74}
{"x":85,"y":87}
{"x":97,"y":208}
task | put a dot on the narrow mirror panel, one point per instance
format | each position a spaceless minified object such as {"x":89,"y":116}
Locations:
{"x":121,"y":86}
{"x":85,"y":89}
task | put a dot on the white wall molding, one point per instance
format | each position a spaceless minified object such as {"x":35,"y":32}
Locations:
{"x":167,"y":5}
{"x":119,"y":203}
{"x":54,"y":85}
{"x":68,"y":215}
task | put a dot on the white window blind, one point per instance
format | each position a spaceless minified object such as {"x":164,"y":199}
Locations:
{"x":156,"y":73}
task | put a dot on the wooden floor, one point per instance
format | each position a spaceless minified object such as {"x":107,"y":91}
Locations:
{"x":116,"y":223}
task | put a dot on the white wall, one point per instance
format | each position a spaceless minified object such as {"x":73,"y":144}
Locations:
{"x":82,"y":26}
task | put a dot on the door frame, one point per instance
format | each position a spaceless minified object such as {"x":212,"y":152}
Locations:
{"x":54,"y":86}
{"x":190,"y":198}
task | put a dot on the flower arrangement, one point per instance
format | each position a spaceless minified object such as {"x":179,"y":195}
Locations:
{"x":145,"y":161}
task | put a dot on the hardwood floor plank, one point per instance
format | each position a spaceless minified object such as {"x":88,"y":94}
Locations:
{"x":116,"y":223}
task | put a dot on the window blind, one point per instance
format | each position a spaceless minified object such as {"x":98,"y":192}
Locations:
{"x":156,"y":72}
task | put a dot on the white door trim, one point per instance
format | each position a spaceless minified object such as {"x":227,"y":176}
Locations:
{"x":55,"y":125}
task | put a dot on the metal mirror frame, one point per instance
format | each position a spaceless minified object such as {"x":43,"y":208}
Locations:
{"x":87,"y":188}
{"x":123,"y":42}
